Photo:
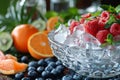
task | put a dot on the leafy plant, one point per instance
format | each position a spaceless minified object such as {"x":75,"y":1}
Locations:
{"x":66,"y":15}
{"x":16,"y":15}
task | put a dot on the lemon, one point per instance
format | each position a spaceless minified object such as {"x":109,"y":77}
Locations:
{"x":5,"y":41}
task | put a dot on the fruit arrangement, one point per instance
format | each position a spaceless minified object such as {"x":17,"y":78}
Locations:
{"x":25,"y":47}
{"x":104,"y":27}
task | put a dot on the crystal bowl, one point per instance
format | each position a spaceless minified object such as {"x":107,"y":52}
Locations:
{"x":95,"y":63}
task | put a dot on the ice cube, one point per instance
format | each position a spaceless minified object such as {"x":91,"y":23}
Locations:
{"x":89,"y":41}
{"x":73,"y":39}
{"x":61,"y":33}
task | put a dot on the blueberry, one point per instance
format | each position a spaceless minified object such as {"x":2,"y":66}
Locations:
{"x":31,"y":68}
{"x":33,"y":64}
{"x":49,"y":79}
{"x":25,"y":78}
{"x":60,"y":68}
{"x":52,"y":64}
{"x":39,"y":78}
{"x":24,"y":59}
{"x":48,"y":60}
{"x":19,"y":76}
{"x":54,"y":72}
{"x":48,"y":68}
{"x":42,"y":62}
{"x":45,"y":74}
{"x":40,"y":69}
{"x":77,"y":77}
{"x":58,"y":62}
{"x":67,"y":77}
{"x":32,"y":74}
{"x":87,"y":78}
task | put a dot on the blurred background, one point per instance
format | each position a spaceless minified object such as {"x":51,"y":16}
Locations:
{"x":50,"y":4}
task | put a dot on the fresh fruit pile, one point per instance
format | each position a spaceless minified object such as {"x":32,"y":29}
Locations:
{"x":105,"y":27}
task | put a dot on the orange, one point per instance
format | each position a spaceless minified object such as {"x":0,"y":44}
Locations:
{"x":10,"y":66}
{"x":9,"y":56}
{"x":20,"y":35}
{"x":38,"y":45}
{"x":52,"y":22}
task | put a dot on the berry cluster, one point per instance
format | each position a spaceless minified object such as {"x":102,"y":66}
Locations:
{"x":50,"y":69}
{"x":104,"y":27}
{"x":46,"y":69}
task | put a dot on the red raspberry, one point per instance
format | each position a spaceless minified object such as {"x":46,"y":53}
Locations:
{"x":86,"y":15}
{"x":82,"y":20}
{"x":118,"y":16}
{"x":92,"y":27}
{"x":105,"y":15}
{"x":115,"y":29}
{"x":101,"y":23}
{"x":73,"y":25}
{"x":102,"y":35}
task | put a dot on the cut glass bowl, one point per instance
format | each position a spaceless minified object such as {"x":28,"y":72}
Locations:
{"x":95,"y":63}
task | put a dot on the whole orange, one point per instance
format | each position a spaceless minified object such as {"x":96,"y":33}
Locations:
{"x":21,"y":34}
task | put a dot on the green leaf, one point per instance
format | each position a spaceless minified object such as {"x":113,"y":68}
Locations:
{"x":111,"y":20}
{"x":97,"y":13}
{"x":50,"y":14}
{"x":109,"y":39}
{"x":117,"y":9}
{"x":108,"y":8}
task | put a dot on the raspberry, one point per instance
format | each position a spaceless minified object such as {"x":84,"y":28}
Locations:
{"x":86,"y":15}
{"x":118,"y":16}
{"x":101,"y":23}
{"x":82,"y":20}
{"x":115,"y":29}
{"x":102,"y":35}
{"x":92,"y":27}
{"x":105,"y":15}
{"x":73,"y":25}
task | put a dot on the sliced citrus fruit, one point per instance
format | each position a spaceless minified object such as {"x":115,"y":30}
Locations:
{"x":38,"y":45}
{"x":52,"y":22}
{"x":39,"y":24}
{"x":10,"y":66}
{"x":5,"y":41}
{"x":9,"y":56}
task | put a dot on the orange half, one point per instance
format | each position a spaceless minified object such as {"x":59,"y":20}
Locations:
{"x":38,"y":45}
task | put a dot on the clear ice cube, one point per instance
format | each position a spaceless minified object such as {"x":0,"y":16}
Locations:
{"x":61,"y":33}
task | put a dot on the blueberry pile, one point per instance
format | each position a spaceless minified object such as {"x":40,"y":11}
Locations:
{"x":49,"y":69}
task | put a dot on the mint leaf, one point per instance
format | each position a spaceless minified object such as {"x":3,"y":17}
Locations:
{"x":109,"y":39}
{"x":117,"y":9}
{"x":111,"y":20}
{"x":108,"y":8}
{"x":97,"y":13}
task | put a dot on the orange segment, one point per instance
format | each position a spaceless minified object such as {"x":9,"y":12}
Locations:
{"x":9,"y":56}
{"x":52,"y":22}
{"x":38,"y":45}
{"x":10,"y":66}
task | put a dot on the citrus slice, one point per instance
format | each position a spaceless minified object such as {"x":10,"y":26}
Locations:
{"x":38,"y":45}
{"x":52,"y":22}
{"x":5,"y":41}
{"x":10,"y":66}
{"x":9,"y":56}
{"x":39,"y":24}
